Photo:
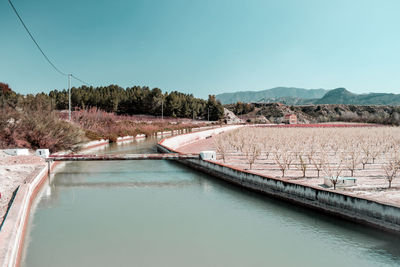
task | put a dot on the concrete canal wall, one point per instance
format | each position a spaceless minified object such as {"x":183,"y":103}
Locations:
{"x":358,"y":209}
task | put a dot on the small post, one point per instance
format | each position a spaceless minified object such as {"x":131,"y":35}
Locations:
{"x":48,"y":169}
{"x":69,"y":97}
{"x":162,"y":109}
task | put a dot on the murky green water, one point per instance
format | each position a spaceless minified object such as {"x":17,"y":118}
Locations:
{"x":159,"y":213}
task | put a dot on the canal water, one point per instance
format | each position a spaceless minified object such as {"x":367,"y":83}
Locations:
{"x":160,"y":213}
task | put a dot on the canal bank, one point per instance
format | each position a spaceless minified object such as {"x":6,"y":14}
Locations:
{"x":362,"y":210}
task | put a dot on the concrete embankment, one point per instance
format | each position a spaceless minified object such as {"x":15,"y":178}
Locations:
{"x":358,"y":209}
{"x":13,"y":230}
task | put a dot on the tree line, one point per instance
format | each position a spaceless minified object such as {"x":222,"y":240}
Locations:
{"x":130,"y":101}
{"x":139,"y":100}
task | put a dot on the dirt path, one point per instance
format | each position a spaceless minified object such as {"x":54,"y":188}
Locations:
{"x":197,"y":147}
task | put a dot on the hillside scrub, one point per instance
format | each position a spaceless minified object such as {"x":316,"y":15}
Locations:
{"x":35,"y":128}
{"x":99,"y":124}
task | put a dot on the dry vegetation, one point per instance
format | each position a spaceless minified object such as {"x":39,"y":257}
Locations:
{"x":36,"y":128}
{"x":99,"y":124}
{"x":372,"y":154}
{"x":34,"y":125}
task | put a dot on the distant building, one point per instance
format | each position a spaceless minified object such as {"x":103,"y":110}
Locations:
{"x":290,"y":119}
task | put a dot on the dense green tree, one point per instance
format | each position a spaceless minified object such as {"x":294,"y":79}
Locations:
{"x":138,"y":100}
{"x":214,"y":108}
{"x":8,"y":97}
{"x":243,"y":108}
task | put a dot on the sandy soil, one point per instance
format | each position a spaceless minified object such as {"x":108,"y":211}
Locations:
{"x":13,"y":172}
{"x":371,"y":182}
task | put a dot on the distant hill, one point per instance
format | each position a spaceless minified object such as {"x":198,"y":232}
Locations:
{"x":298,"y":96}
{"x":337,"y":96}
{"x":270,"y":94}
{"x":288,"y":100}
{"x":342,"y":96}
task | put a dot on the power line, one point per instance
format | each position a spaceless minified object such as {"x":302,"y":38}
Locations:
{"x":40,"y":49}
{"x":33,"y":39}
{"x":76,"y":78}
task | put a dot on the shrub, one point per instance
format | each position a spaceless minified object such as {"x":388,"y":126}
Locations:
{"x":36,"y":129}
{"x":100,"y":124}
{"x":92,"y":135}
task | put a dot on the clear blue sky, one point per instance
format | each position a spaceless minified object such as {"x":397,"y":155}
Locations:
{"x":205,"y":46}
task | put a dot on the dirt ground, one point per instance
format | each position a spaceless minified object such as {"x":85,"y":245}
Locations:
{"x":371,"y":182}
{"x":13,"y":172}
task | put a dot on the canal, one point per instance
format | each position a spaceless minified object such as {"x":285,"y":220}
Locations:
{"x":160,"y":213}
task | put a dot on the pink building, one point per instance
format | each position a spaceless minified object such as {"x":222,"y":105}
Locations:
{"x":290,"y":119}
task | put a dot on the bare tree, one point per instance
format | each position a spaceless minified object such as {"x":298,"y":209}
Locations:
{"x":280,"y":162}
{"x":288,"y":158}
{"x":302,"y":164}
{"x":351,"y":160}
{"x":311,"y":153}
{"x":319,"y":162}
{"x":266,"y":148}
{"x":375,"y":151}
{"x":252,"y":152}
{"x":333,"y":171}
{"x":366,"y":148}
{"x":391,"y":168}
{"x":222,"y":146}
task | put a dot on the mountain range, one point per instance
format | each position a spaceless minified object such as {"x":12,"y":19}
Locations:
{"x":299,"y":96}
{"x":271,"y":94}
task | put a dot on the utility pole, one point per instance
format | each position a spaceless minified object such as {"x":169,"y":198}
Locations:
{"x":208,"y":114}
{"x":162,"y":109}
{"x":69,"y":97}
